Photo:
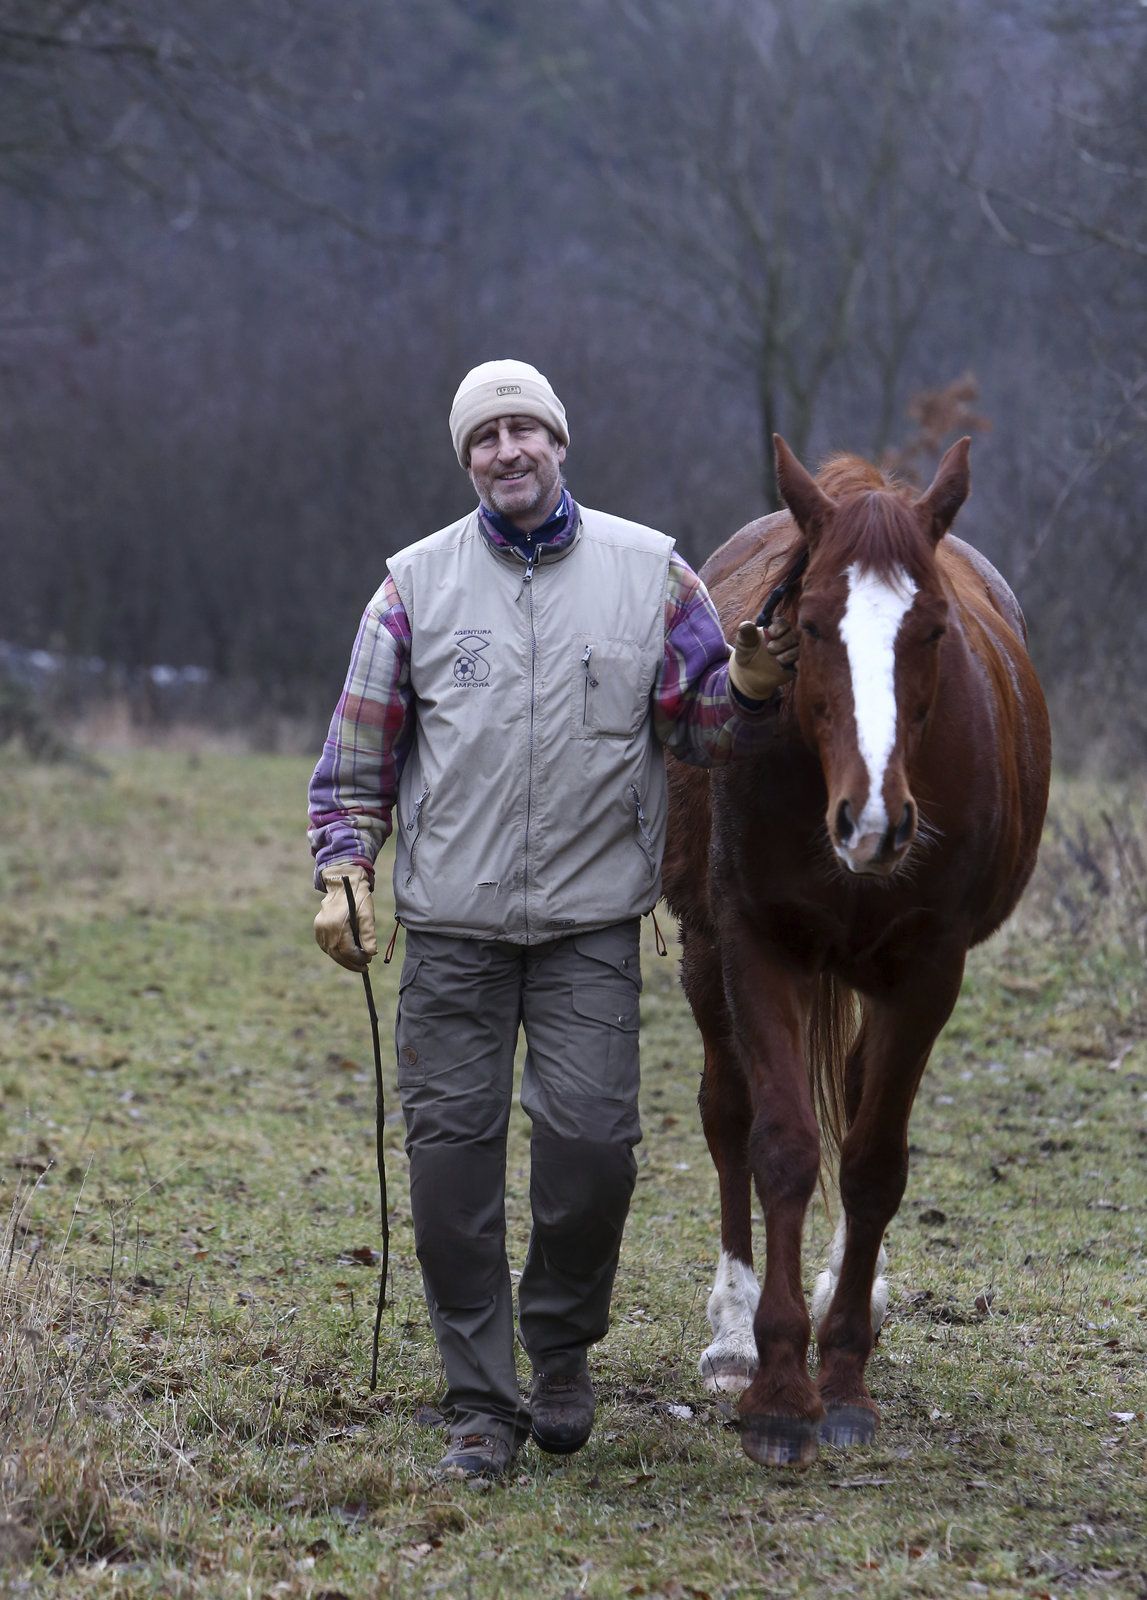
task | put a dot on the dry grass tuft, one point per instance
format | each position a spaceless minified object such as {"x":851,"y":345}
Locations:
{"x":59,"y":1502}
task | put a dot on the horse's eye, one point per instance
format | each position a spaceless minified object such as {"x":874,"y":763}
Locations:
{"x":811,"y":629}
{"x":938,"y":632}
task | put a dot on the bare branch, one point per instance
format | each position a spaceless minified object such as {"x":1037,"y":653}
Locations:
{"x":1107,"y":444}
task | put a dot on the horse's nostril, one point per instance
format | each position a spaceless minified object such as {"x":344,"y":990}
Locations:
{"x":906,"y":826}
{"x":845,"y":825}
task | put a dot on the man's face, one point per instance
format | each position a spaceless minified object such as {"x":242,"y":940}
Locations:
{"x":515,"y":466}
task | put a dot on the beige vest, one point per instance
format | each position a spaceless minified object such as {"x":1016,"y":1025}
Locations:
{"x":532,"y":803}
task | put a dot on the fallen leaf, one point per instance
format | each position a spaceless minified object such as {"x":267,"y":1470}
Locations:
{"x":360,"y":1256}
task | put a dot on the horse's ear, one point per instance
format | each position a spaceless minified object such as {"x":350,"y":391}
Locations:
{"x":804,"y":497}
{"x":948,"y":490}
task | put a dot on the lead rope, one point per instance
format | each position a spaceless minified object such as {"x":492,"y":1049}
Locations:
{"x":785,"y":587}
{"x":379,"y":1121}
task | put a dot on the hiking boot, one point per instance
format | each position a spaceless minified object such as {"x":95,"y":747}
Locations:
{"x":476,"y":1455}
{"x":562,"y":1412}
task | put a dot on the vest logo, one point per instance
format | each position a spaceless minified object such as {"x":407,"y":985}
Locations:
{"x":471,"y":665}
{"x":508,"y":388}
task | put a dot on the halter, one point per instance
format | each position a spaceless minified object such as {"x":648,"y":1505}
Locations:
{"x":783,"y":589}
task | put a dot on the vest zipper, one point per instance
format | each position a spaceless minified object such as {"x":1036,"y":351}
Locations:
{"x":646,"y":837}
{"x":590,"y":683}
{"x":530,"y":753}
{"x":415,"y":826}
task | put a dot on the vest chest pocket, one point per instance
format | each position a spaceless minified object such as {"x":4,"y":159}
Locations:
{"x":609,"y":697}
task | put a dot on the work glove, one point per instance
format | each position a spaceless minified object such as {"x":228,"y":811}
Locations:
{"x":332,"y":925}
{"x":763,"y":658}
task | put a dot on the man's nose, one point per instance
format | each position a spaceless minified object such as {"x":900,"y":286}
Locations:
{"x":507,"y":444}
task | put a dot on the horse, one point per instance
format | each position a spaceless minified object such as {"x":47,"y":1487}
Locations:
{"x":828,"y":885}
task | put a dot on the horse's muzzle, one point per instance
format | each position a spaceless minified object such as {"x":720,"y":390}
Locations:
{"x":876,"y":853}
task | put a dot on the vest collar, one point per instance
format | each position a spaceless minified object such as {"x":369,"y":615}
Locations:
{"x":554,"y":539}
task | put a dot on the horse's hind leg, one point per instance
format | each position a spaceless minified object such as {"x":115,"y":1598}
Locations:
{"x":899,"y":1032}
{"x":730,"y":1361}
{"x":825,"y":1286}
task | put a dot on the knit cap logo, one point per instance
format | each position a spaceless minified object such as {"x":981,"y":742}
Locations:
{"x":471,"y":666}
{"x":508,"y":388}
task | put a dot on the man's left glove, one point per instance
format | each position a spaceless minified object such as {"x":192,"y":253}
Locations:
{"x":763,"y":660}
{"x":332,"y":925}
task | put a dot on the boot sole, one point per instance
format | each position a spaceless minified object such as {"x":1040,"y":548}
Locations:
{"x":558,"y":1447}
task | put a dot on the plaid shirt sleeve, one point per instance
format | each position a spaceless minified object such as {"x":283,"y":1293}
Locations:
{"x":695,"y":711}
{"x":355,"y":783}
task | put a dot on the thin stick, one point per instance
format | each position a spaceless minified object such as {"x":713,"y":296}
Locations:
{"x":379,"y":1128}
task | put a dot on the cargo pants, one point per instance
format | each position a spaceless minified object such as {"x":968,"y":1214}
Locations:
{"x":461,"y":1003}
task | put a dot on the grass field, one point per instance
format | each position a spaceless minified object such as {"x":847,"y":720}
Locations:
{"x":186,"y":1295}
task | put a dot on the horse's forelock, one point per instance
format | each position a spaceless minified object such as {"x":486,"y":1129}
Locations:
{"x":842,"y":475}
{"x":876,"y":530}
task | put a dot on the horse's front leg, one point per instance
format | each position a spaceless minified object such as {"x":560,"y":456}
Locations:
{"x":900,"y":1029}
{"x":730,"y":1361}
{"x":781,"y":1410}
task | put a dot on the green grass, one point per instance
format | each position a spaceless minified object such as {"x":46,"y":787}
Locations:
{"x":186,"y":1131}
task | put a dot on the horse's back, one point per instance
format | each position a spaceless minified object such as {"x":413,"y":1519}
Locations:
{"x":738,"y":576}
{"x":740,"y":572}
{"x":958,"y":556}
{"x":1012,"y":724}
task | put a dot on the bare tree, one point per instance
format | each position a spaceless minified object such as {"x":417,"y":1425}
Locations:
{"x":772,"y":199}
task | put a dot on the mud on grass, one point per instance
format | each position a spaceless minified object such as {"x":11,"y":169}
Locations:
{"x":186,"y":1138}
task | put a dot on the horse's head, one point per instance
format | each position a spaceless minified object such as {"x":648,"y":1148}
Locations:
{"x":872,"y":614}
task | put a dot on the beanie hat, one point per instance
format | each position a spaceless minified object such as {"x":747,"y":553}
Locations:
{"x":503,"y":389}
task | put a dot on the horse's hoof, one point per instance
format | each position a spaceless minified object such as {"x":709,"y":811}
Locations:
{"x":780,"y":1441}
{"x":728,"y":1377}
{"x":845,"y":1426}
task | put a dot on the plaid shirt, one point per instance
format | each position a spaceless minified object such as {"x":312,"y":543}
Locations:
{"x":696,"y":714}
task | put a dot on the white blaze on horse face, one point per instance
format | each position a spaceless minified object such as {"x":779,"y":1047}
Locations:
{"x":872,"y":616}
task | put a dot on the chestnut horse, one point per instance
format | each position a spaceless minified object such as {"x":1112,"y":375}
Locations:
{"x":888,"y":820}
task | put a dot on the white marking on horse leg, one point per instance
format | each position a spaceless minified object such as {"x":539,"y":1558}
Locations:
{"x":825,"y":1286}
{"x":730,"y":1362}
{"x":872,"y":616}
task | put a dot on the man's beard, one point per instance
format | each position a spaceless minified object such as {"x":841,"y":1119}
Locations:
{"x":514,"y":502}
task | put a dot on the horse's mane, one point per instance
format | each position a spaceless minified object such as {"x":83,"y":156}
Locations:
{"x":873,"y":527}
{"x":844,"y":474}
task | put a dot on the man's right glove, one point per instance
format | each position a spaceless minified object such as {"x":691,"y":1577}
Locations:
{"x":762,"y":661}
{"x":332,"y":925}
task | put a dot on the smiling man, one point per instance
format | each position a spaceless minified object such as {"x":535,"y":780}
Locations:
{"x":512,"y":687}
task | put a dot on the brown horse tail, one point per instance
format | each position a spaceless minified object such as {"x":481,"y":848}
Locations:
{"x":833,"y":1023}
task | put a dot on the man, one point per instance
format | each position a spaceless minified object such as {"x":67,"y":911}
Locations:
{"x":511,"y":687}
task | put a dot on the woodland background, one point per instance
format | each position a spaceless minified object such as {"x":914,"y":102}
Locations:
{"x":248,"y":252}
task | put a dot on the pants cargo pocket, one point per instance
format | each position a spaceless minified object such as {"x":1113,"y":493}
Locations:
{"x":614,"y":1017}
{"x":407,"y":1032}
